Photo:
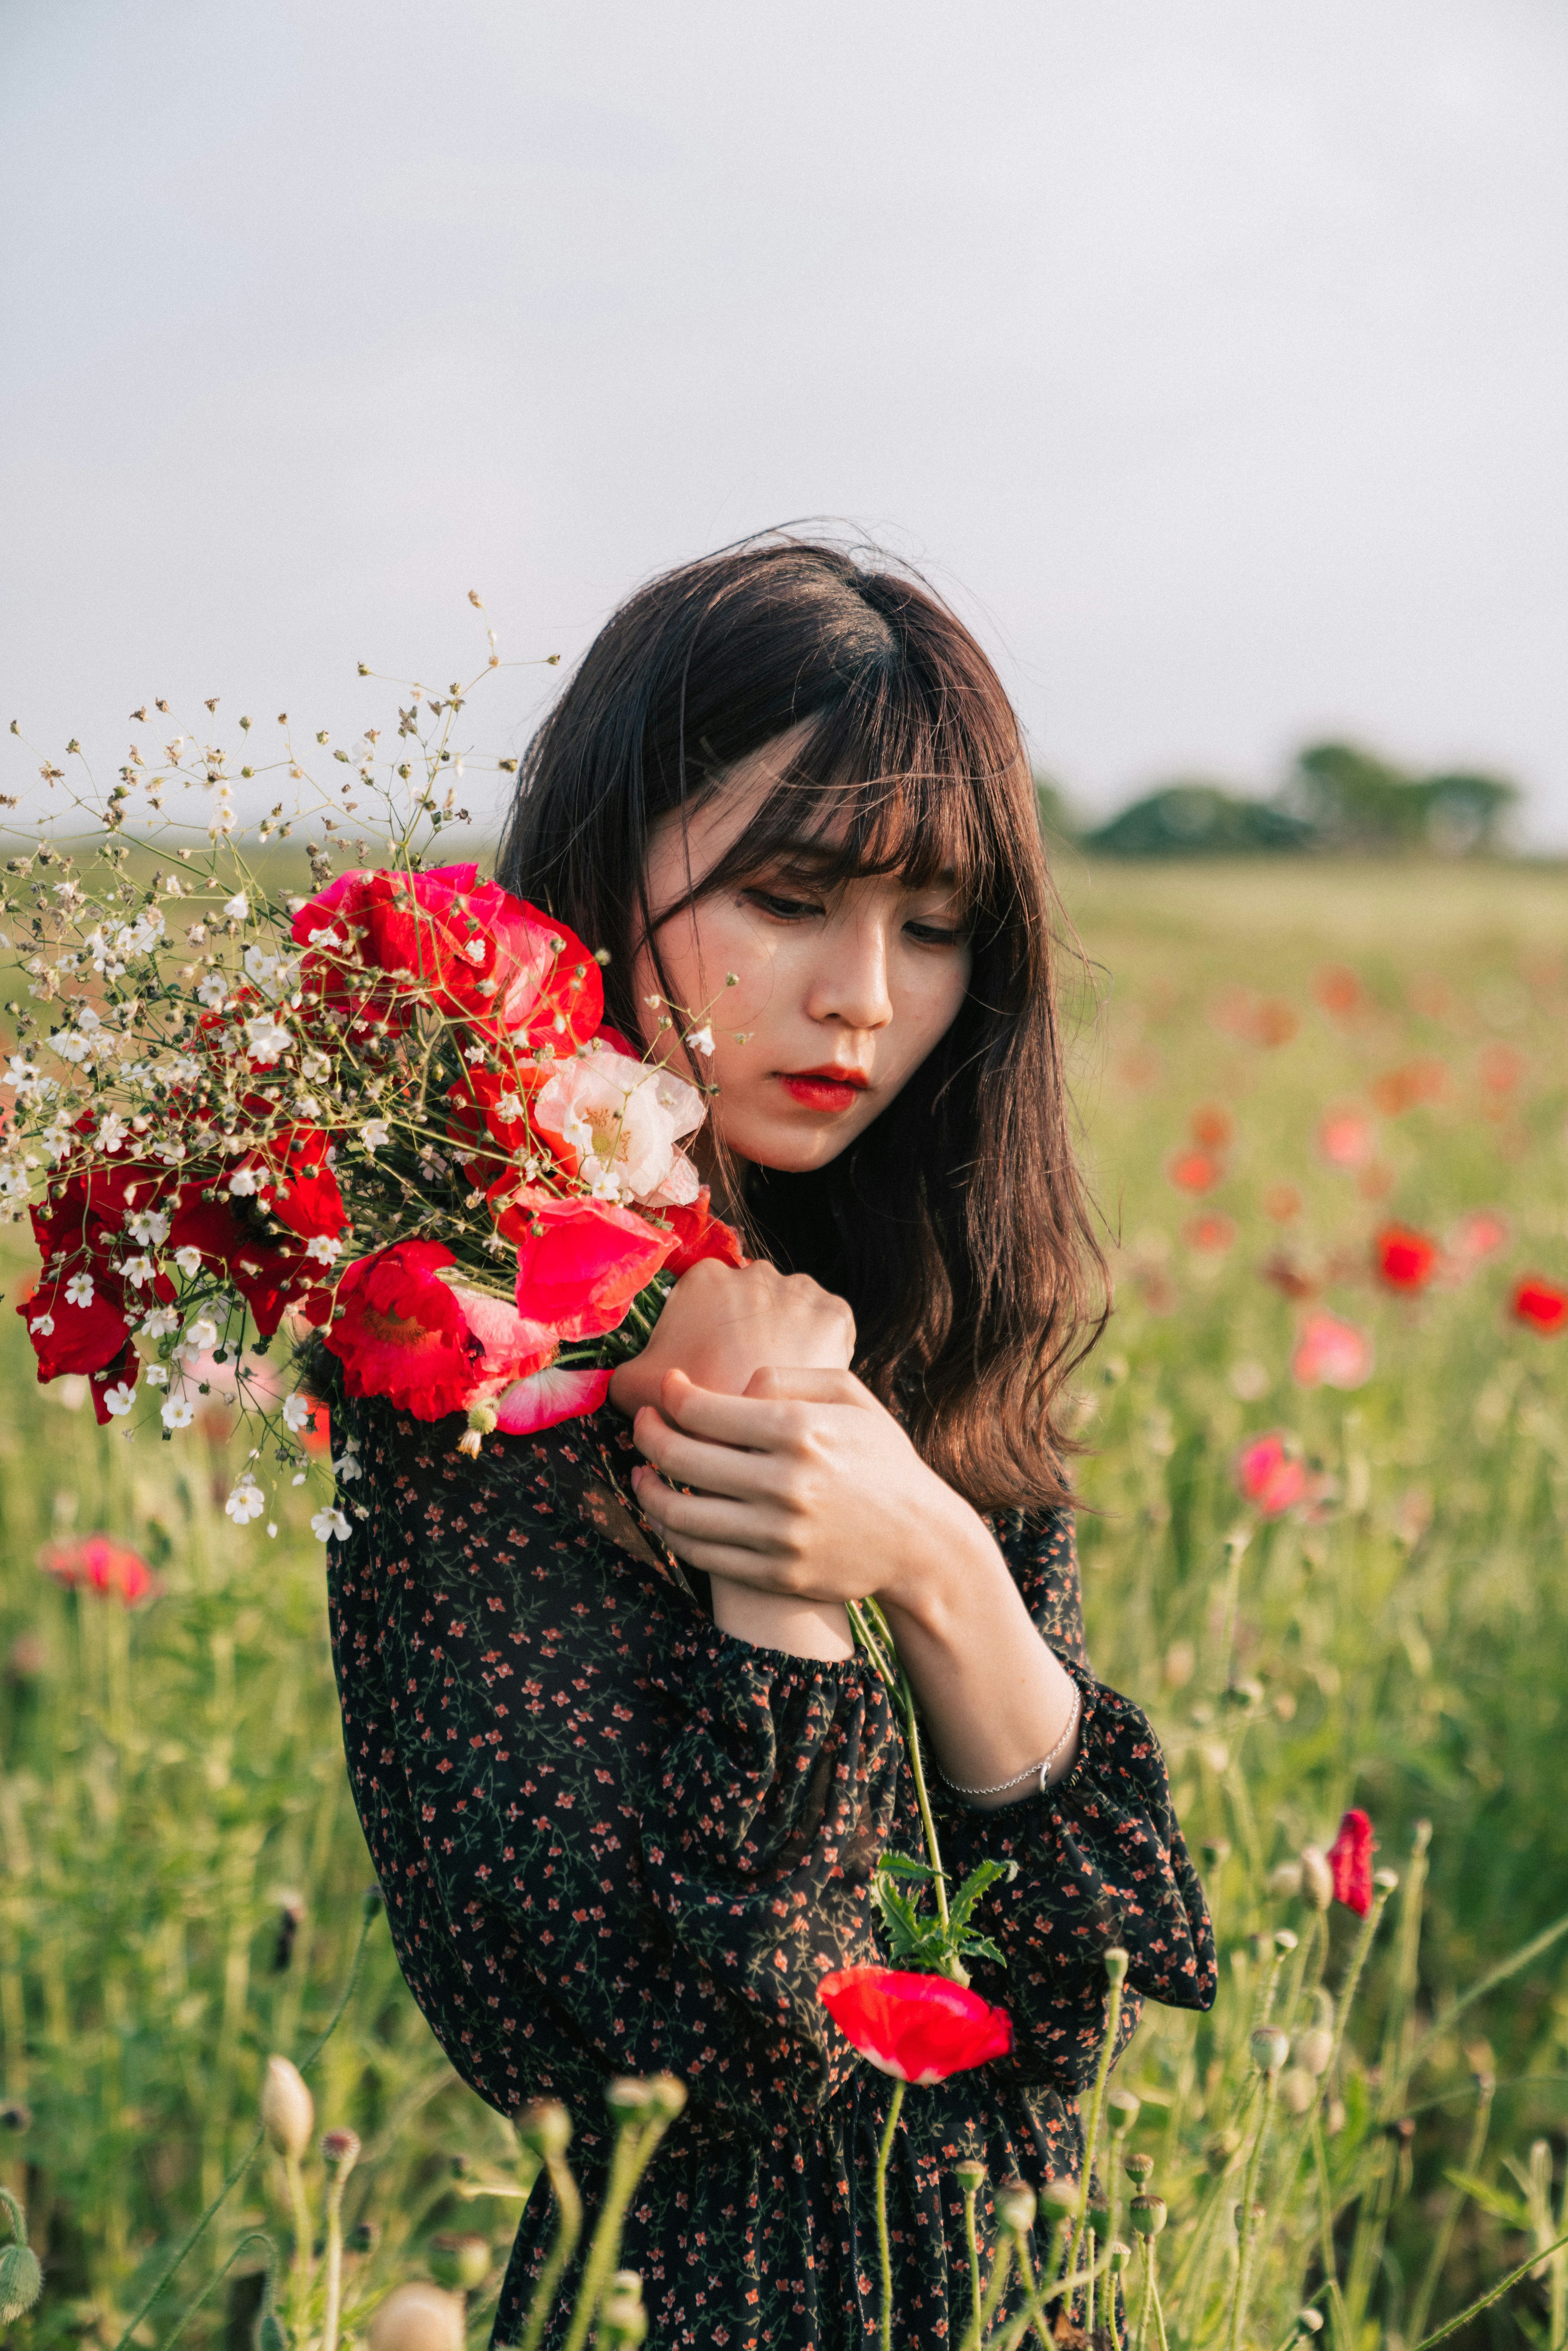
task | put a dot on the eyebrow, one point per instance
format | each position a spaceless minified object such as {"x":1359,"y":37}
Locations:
{"x":807,"y":849}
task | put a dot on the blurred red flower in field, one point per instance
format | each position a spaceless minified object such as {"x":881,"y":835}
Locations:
{"x":1501,"y":1068}
{"x":1290,"y":1280}
{"x":1266,"y":1020}
{"x":1272,"y":1479}
{"x":1480,"y":1233}
{"x":1425,"y":1079}
{"x":1542,"y":1304}
{"x":1280,"y":1203}
{"x":918,"y":2028}
{"x":104,"y":1565}
{"x":1405,"y":1258}
{"x":1210,"y":1235}
{"x":1350,"y":1858}
{"x":1194,"y":1171}
{"x":1331,"y":1353}
{"x":1346,"y":1137}
{"x":1339,"y":991}
{"x":1211,"y":1127}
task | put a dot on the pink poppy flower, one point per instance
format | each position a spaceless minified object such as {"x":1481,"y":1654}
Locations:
{"x":616,"y":1125}
{"x":918,"y":2028}
{"x":1346,"y":1137}
{"x":580,"y":1262}
{"x":1331,"y":1353}
{"x":546,"y":1397}
{"x":110,"y":1569}
{"x":1272,"y":1479}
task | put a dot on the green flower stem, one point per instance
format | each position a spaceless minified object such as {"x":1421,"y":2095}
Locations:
{"x":884,"y":2154}
{"x":338,"y":2179}
{"x":1096,"y":2111}
{"x":252,"y":2237}
{"x":1438,"y":2258}
{"x":1244,"y":2227}
{"x":970,"y":2194}
{"x":17,"y":2216}
{"x":300,"y":2268}
{"x":1362,"y":1946}
{"x":1487,"y":2300}
{"x":372,"y":1908}
{"x":993,"y":2293}
{"x":568,"y":2204}
{"x":634,"y":2146}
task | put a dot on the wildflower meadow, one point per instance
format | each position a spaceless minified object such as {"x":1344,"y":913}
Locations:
{"x":1325,"y":1448}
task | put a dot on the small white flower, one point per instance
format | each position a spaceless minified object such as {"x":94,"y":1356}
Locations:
{"x":348,"y":1468}
{"x":157,"y":1375}
{"x":476,"y":950}
{"x":297,"y":1410}
{"x":44,"y":1324}
{"x":246,"y":1501}
{"x":183,"y":1071}
{"x":150,"y":1226}
{"x":179,"y":1412}
{"x":237,"y":908}
{"x":701,"y":1040}
{"x":214,"y":991}
{"x":329,"y":936}
{"x":272,"y":1527}
{"x":374,"y":1134}
{"x":160,"y":1323}
{"x":323,"y":1249}
{"x":111,"y":1131}
{"x":137,"y":1270}
{"x":316,"y":1066}
{"x":266,"y":1039}
{"x":306,"y":1106}
{"x":327,"y":1523}
{"x":120,"y":1398}
{"x":262,"y":969}
{"x":242,"y":1184}
{"x":201,"y":1336}
{"x":79,"y":1290}
{"x":189,"y":1261}
{"x":509,"y":1106}
{"x":475,"y":1052}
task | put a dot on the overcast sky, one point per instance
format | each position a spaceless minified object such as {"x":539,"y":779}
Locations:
{"x":1213,"y":357}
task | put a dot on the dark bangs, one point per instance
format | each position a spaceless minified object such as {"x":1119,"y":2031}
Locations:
{"x":956,"y":1225}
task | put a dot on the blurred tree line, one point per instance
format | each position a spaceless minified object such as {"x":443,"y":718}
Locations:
{"x":1337,"y":798}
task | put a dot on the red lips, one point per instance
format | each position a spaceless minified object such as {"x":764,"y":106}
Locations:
{"x":825,"y":1089}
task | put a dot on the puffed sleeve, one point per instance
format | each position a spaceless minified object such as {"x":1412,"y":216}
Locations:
{"x":1101,"y":1857}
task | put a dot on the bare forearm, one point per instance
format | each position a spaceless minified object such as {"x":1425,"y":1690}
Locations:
{"x":994,"y":1698}
{"x":775,"y":1620}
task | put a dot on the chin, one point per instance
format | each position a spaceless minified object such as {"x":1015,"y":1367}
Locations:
{"x":791,"y":1153}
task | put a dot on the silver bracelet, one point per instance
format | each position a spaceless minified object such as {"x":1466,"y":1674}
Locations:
{"x":1041,"y":1768}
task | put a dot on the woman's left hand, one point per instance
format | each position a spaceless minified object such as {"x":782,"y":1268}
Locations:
{"x":806,"y":1487}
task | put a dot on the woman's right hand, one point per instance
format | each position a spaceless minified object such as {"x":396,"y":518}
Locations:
{"x":722,"y":1324}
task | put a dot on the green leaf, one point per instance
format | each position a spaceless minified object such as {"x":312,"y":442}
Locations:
{"x":899,"y":1865}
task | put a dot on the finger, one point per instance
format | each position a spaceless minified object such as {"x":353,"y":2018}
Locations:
{"x":703,"y":1518}
{"x":807,"y":1383}
{"x":689,"y":1460}
{"x":757,"y":1424}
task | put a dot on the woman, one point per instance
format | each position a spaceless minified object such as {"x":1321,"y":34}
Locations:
{"x":622,"y":1773}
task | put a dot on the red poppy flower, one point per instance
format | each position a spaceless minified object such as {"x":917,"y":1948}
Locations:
{"x":1480,"y":1233}
{"x":580,"y":1262}
{"x":1350,"y":1858}
{"x":1211,"y":1236}
{"x":548,"y":1396}
{"x":428,"y":1347}
{"x":1194,"y":1171}
{"x":1404,"y":1260}
{"x":270,"y":1274}
{"x":1272,"y":1479}
{"x":698,"y":1233}
{"x":1542,"y":1304}
{"x":918,"y":2028}
{"x":1331,"y":1353}
{"x":1211,"y":1127}
{"x":102,"y":1566}
{"x":1346,"y":1137}
{"x":76,"y":1320}
{"x":1338,"y":990}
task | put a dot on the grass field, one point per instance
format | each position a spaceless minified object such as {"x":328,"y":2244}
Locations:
{"x":172,"y":1793}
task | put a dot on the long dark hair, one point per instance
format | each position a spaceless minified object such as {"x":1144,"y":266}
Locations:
{"x":957,"y":1225}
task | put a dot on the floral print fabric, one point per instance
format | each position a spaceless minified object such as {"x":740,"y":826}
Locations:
{"x":614,"y":1839}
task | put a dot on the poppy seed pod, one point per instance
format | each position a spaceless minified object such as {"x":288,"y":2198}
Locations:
{"x":622,"y":2318}
{"x":969,"y":2175}
{"x":1317,"y":1877}
{"x":1148,"y":2214}
{"x":666,"y":2099}
{"x":1315,"y":2048}
{"x":1284,"y":1940}
{"x":21,"y":2282}
{"x":1116,"y":1965}
{"x":1386,"y":1880}
{"x":1125,"y":2107}
{"x":1060,"y":2197}
{"x":287,"y":2111}
{"x":1016,"y":2205}
{"x":1139,"y":2167}
{"x":1286,"y":1880}
{"x":545,"y":2128}
{"x":418,"y":2318}
{"x":1118,"y":2253}
{"x":1271,"y":2046}
{"x":629,"y":2099}
{"x":459,"y":2263}
{"x":341,"y":2148}
{"x":1298,"y":2089}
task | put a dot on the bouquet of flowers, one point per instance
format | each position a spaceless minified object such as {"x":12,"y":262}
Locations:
{"x":389,"y":1111}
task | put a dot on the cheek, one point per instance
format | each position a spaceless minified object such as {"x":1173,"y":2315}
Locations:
{"x":698,"y":950}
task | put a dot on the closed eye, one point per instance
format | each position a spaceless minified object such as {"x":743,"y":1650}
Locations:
{"x":782,"y":909}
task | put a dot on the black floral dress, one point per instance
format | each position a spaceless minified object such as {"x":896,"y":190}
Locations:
{"x":614,"y":1839}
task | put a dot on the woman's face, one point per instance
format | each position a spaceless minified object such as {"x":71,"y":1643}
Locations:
{"x":840,"y":993}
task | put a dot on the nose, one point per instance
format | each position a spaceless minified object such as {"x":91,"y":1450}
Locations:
{"x":850,"y":984}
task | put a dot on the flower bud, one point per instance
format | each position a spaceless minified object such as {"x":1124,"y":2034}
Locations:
{"x":340,"y":2150}
{"x":970,"y":2176}
{"x":1125,"y":2107}
{"x":1271,"y":2046}
{"x":1310,"y":2322}
{"x":288,"y":2112}
{"x":545,"y":2128}
{"x":666,"y":2099}
{"x":1317,"y":1877}
{"x":271,"y":2333}
{"x":1116,"y":1965}
{"x":16,"y":2116}
{"x":459,"y":2263}
{"x":1060,"y":2197}
{"x":1315,"y":2048}
{"x":418,"y":2318}
{"x":1284,"y":1941}
{"x":622,"y":2318}
{"x":1286,"y":1880}
{"x":629,"y":2099}
{"x":1139,"y":2167}
{"x":1386,"y":1880}
{"x":1148,"y":2214}
{"x":1118,"y":2253}
{"x":1297,"y":2090}
{"x":1333,"y":2117}
{"x":1016,"y":2205}
{"x":1221,"y":2147}
{"x":21,"y":2282}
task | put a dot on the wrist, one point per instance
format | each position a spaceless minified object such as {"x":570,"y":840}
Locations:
{"x":946,"y":1548}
